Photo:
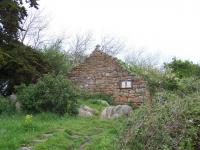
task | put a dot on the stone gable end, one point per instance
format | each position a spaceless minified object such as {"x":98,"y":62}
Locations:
{"x":102,"y":73}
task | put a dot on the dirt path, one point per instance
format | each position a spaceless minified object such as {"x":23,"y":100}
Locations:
{"x":45,"y":136}
{"x":40,"y":139}
{"x":74,"y":135}
{"x":87,"y":141}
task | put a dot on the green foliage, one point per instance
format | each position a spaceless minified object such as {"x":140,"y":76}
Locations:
{"x":187,"y":86}
{"x":166,"y":126}
{"x":94,"y":97}
{"x":173,"y":121}
{"x":18,"y":63}
{"x":67,"y":132}
{"x":98,"y":105}
{"x":59,"y":60}
{"x":169,"y":81}
{"x":21,"y":64}
{"x":12,"y":13}
{"x":164,"y":96}
{"x":73,"y":108}
{"x":183,"y":68}
{"x":3,"y":58}
{"x":193,"y":114}
{"x":51,"y":93}
{"x":28,"y":119}
{"x":156,"y":80}
{"x":99,"y":102}
{"x":6,"y":106}
{"x":28,"y":122}
{"x":152,"y":75}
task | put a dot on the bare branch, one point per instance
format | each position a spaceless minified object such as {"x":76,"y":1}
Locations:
{"x":79,"y":45}
{"x":142,"y":58}
{"x":111,"y":45}
{"x":34,"y":26}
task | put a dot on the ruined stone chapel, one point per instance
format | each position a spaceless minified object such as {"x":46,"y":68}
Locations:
{"x":101,"y":72}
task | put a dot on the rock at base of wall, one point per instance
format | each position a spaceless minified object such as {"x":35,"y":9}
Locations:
{"x":85,"y":111}
{"x":112,"y":112}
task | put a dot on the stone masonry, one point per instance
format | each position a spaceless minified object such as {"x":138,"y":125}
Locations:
{"x":103,"y":73}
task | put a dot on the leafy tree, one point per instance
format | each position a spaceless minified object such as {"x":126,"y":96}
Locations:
{"x":12,"y":13}
{"x":22,"y":64}
{"x":169,"y":81}
{"x":59,"y":60}
{"x":183,"y":68}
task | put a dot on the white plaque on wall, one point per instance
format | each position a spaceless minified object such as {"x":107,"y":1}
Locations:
{"x":126,"y":84}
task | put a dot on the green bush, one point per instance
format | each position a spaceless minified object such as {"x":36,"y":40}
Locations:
{"x":166,"y":126}
{"x":164,"y":96}
{"x":51,"y":93}
{"x":6,"y":106}
{"x":93,"y":97}
{"x":169,"y":81}
{"x":183,"y":68}
{"x":59,"y":60}
{"x":152,"y":75}
{"x":188,"y":86}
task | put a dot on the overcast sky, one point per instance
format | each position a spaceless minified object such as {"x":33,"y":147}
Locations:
{"x":167,"y":27}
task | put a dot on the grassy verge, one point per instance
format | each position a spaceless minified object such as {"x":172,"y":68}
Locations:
{"x":52,"y":132}
{"x":95,"y":104}
{"x":66,"y":132}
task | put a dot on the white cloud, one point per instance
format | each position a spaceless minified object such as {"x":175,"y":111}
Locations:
{"x":171,"y":26}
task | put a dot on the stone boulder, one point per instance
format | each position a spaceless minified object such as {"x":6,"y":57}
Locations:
{"x":25,"y":148}
{"x":112,"y":112}
{"x":13,"y":100}
{"x":85,"y":111}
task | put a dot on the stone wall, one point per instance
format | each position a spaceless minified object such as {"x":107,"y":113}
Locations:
{"x":102,"y":73}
